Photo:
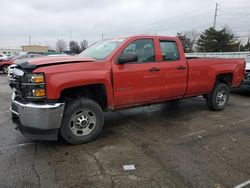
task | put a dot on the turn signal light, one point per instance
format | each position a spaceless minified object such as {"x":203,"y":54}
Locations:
{"x":38,"y":92}
{"x":37,"y":78}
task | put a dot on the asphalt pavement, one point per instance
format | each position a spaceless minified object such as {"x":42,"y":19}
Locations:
{"x":175,"y":144}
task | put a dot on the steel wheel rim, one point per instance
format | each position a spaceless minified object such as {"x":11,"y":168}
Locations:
{"x":82,"y":122}
{"x":221,"y":97}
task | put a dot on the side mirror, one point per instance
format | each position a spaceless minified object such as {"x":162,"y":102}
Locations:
{"x":127,"y":57}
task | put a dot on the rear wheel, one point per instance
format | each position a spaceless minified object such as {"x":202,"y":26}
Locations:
{"x":5,"y":69}
{"x":82,"y":122}
{"x":218,"y":98}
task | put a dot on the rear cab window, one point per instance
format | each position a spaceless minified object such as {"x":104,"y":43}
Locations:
{"x":169,"y":50}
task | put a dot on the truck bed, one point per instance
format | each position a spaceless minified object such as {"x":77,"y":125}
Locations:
{"x":203,"y":73}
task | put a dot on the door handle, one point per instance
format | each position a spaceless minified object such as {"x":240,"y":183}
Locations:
{"x":154,"y":69}
{"x":181,"y":67}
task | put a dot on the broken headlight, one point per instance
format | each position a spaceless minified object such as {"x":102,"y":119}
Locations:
{"x":33,"y":86}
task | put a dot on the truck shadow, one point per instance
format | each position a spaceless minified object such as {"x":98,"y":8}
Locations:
{"x":241,"y":91}
{"x":141,"y":118}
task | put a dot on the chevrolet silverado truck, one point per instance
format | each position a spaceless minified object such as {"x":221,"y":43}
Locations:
{"x":67,"y":96}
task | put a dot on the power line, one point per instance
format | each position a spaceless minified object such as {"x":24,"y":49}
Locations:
{"x":233,"y":15}
{"x":168,"y":20}
{"x":175,"y":25}
{"x":233,"y":3}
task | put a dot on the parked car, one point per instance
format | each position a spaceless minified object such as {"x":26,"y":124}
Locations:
{"x":68,"y":95}
{"x":4,"y":65}
{"x":3,"y":57}
{"x":9,"y":61}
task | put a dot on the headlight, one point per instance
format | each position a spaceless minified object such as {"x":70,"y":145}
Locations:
{"x":33,"y":86}
{"x":33,"y":78}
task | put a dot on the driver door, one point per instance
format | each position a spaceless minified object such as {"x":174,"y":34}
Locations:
{"x":137,"y":82}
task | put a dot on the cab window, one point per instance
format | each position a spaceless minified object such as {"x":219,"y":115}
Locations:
{"x":169,"y":50}
{"x":144,"y":49}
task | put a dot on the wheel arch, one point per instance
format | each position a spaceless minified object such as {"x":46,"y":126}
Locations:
{"x":96,"y":92}
{"x":226,"y":78}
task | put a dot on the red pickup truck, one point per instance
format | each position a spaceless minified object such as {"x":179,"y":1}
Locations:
{"x":67,"y":95}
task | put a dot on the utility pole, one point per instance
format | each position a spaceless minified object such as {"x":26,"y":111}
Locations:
{"x":248,"y":43}
{"x":70,"y":33}
{"x":239,"y":46}
{"x":29,"y":39}
{"x":215,"y":14}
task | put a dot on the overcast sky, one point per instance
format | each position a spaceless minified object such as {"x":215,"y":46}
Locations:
{"x":47,"y":20}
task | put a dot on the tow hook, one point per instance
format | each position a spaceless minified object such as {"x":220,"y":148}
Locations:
{"x":17,"y":128}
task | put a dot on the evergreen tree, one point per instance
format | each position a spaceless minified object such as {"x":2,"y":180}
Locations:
{"x":212,"y":40}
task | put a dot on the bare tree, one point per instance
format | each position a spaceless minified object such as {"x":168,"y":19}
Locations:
{"x":193,"y":36}
{"x":189,"y":39}
{"x":61,"y":45}
{"x":185,"y":42}
{"x":74,"y":47}
{"x":83,"y":45}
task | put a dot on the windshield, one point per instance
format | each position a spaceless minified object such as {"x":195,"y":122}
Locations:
{"x":101,"y":49}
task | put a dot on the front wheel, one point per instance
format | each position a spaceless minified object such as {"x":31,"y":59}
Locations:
{"x":82,"y":122}
{"x":218,"y":98}
{"x":5,"y":69}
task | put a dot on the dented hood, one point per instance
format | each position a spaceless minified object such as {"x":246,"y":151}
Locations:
{"x":49,"y":61}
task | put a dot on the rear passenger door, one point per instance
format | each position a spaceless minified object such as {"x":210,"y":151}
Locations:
{"x":173,"y":69}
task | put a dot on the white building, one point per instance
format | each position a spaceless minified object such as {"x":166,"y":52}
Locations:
{"x":10,"y":52}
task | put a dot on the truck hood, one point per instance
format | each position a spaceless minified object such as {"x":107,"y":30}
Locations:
{"x":34,"y":63}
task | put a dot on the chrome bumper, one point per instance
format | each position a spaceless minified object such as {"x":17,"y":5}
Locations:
{"x":38,"y":116}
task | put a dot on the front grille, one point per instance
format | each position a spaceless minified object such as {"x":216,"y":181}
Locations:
{"x":15,"y":81}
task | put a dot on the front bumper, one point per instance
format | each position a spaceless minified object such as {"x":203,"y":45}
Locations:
{"x":37,"y":121}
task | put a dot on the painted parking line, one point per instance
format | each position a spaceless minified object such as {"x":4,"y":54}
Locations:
{"x":194,"y":133}
{"x":243,"y":184}
{"x":17,"y":145}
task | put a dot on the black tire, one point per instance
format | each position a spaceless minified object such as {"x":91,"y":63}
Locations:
{"x":5,"y":69}
{"x":218,"y":98}
{"x":68,"y":125}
